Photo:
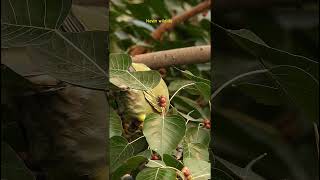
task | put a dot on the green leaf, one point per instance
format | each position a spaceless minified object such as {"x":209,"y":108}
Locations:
{"x":139,"y":11}
{"x":156,"y":174}
{"x":31,"y":22}
{"x":139,"y":145}
{"x":163,"y":133}
{"x":12,"y":167}
{"x":155,"y":163}
{"x":120,"y":75}
{"x":300,"y":87}
{"x":146,"y":153}
{"x":293,"y":74}
{"x":172,"y":162}
{"x":195,"y":151}
{"x":115,"y":124}
{"x":12,"y":84}
{"x":76,"y":58}
{"x":198,"y":135}
{"x":250,"y":42}
{"x":177,"y":84}
{"x":264,"y":94}
{"x":128,"y":166}
{"x":159,"y":7}
{"x":203,"y":85}
{"x":120,"y":151}
{"x":200,"y":170}
{"x":189,"y":105}
{"x":245,"y":173}
{"x":92,"y":17}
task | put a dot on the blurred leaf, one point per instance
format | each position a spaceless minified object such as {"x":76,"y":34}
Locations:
{"x":250,"y":42}
{"x":115,"y":124}
{"x":140,"y":11}
{"x":200,"y":170}
{"x":301,"y":88}
{"x":129,"y":165}
{"x":77,"y":58}
{"x":176,"y":84}
{"x":203,"y":85}
{"x":120,"y":151}
{"x":263,"y":94}
{"x":92,"y":17}
{"x":172,"y":162}
{"x":157,"y":174}
{"x":243,"y":173}
{"x":163,"y":133}
{"x":139,"y":144}
{"x":159,"y":7}
{"x":12,"y":167}
{"x":189,"y":105}
{"x":155,"y":163}
{"x":12,"y":84}
{"x":31,"y":22}
{"x":195,"y":151}
{"x":123,"y":78}
{"x":293,"y":74}
{"x":146,"y":153}
{"x":198,"y":135}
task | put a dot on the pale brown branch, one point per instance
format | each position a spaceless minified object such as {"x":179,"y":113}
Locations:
{"x":181,"y":56}
{"x":157,"y":33}
{"x":204,"y":6}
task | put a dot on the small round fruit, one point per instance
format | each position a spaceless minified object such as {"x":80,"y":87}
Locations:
{"x":206,"y":121}
{"x":154,"y":157}
{"x":163,"y":104}
{"x":162,"y":99}
{"x":186,"y":171}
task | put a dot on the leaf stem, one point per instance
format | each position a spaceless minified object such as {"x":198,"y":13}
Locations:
{"x":236,"y":78}
{"x":181,"y":89}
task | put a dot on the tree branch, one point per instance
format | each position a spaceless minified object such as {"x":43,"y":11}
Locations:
{"x":205,"y":5}
{"x":189,"y":55}
{"x":157,"y":33}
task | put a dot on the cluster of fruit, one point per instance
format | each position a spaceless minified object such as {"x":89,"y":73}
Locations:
{"x":162,"y":101}
{"x":207,"y":124}
{"x":186,"y":172}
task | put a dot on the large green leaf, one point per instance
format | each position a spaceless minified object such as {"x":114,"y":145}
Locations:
{"x":77,"y":58}
{"x":195,"y":151}
{"x":164,"y":133}
{"x":120,"y":75}
{"x":120,"y":151}
{"x":115,"y":125}
{"x":12,"y":84}
{"x":13,"y":168}
{"x":172,"y":162}
{"x":295,"y":76}
{"x":203,"y":85}
{"x":160,"y":8}
{"x":200,"y":170}
{"x":159,"y":173}
{"x":300,"y":87}
{"x":243,"y":173}
{"x":198,"y":135}
{"x":31,"y":22}
{"x":271,"y":56}
{"x":92,"y":17}
{"x":129,"y":165}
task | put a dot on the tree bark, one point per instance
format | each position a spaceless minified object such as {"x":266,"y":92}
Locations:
{"x":181,"y":56}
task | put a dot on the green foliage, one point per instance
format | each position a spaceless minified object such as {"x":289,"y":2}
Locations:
{"x":12,"y":167}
